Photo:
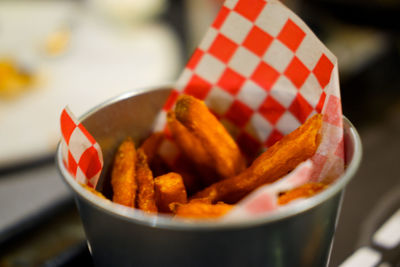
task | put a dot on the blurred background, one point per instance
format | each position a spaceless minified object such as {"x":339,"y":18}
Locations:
{"x":82,"y":52}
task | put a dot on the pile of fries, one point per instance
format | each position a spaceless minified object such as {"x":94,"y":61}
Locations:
{"x":209,"y":175}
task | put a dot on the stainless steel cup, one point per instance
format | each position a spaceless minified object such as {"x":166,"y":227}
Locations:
{"x":300,"y":235}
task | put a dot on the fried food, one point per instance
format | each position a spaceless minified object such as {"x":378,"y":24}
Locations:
{"x":144,"y":177}
{"x":169,"y":188}
{"x":151,"y":145}
{"x":193,"y":149}
{"x":123,"y":179}
{"x":188,"y":172}
{"x":222,"y":149}
{"x":277,"y":161}
{"x":202,"y":153}
{"x":201,"y":210}
{"x":306,"y":190}
{"x":92,"y":190}
{"x":171,"y":159}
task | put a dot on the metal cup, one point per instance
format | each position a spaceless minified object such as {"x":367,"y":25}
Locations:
{"x":299,"y":235}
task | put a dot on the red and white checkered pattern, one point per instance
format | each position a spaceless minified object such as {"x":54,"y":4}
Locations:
{"x":263,"y":72}
{"x":259,"y":62}
{"x":266,"y":61}
{"x":81,"y":154}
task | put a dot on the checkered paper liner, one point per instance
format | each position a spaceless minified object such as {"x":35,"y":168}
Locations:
{"x":263,"y":73}
{"x":81,"y":154}
{"x":264,"y":199}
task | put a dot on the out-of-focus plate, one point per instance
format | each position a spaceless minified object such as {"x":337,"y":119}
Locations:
{"x":102,"y":59}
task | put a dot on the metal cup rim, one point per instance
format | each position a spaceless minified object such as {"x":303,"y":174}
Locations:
{"x":166,"y":222}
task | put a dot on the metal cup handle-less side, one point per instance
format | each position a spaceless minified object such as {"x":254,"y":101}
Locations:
{"x":300,"y":235}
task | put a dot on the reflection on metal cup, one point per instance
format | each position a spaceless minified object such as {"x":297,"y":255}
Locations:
{"x":299,"y":235}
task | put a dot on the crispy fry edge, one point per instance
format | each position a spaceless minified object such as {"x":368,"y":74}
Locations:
{"x":223,"y":150}
{"x":193,"y":149}
{"x":200,"y":210}
{"x":277,"y":161}
{"x":92,"y":190}
{"x":169,"y":188}
{"x":123,"y":173}
{"x":145,"y":193}
{"x":303,"y":191}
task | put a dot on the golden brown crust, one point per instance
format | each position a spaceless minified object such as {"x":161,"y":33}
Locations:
{"x":151,"y":145}
{"x":186,"y":169}
{"x":92,"y":190}
{"x":169,"y":188}
{"x":201,"y":210}
{"x":123,"y":179}
{"x":278,"y":160}
{"x":224,"y":152}
{"x":144,"y":177}
{"x":193,"y":149}
{"x":306,"y":190}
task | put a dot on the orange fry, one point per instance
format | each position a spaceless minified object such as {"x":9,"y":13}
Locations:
{"x":222,"y":149}
{"x":123,"y":180}
{"x":306,"y":190}
{"x":145,"y":195}
{"x":193,"y":149}
{"x":278,"y":160}
{"x":151,"y":145}
{"x":186,"y":169}
{"x":92,"y":190}
{"x":201,"y":210}
{"x":169,"y":188}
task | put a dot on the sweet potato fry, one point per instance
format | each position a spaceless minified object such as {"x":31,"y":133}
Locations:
{"x":224,"y":152}
{"x":145,"y":195}
{"x":186,"y":169}
{"x":186,"y":141}
{"x":201,"y":210}
{"x":123,"y":173}
{"x":306,"y":190}
{"x":92,"y":190}
{"x":278,"y":160}
{"x":169,"y":188}
{"x":193,"y":149}
{"x":151,"y":145}
{"x":174,"y":160}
